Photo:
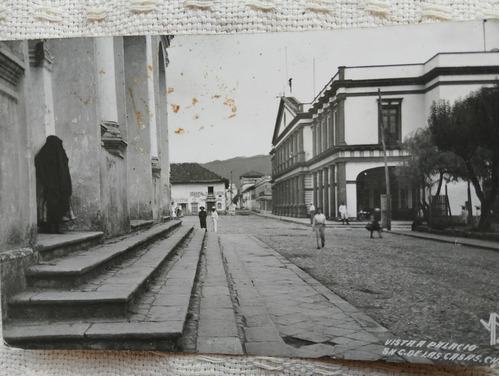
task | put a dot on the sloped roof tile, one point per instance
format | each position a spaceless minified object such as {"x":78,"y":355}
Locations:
{"x":192,"y":173}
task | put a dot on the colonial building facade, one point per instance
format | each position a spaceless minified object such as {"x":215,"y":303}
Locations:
{"x":194,"y":186}
{"x":258,"y":196}
{"x":330,"y":151}
{"x":105,"y":98}
{"x":247,"y":180}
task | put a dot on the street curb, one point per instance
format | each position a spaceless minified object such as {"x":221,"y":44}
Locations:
{"x":458,"y":241}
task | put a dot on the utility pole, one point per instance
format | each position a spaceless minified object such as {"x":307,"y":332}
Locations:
{"x":231,"y":188}
{"x":386,"y":168}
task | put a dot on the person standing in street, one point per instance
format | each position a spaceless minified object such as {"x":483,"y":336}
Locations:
{"x":343,"y":213}
{"x":312,"y":212}
{"x":215,"y":217}
{"x":319,"y":224}
{"x":203,"y":217}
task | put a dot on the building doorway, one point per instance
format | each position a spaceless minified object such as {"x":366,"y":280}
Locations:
{"x":370,"y":185}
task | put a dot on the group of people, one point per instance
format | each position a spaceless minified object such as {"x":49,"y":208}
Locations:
{"x":342,"y":211}
{"x":318,"y":222}
{"x":203,"y":218}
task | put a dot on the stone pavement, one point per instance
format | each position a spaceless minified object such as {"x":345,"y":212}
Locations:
{"x":399,"y":228}
{"x":286,"y":312}
{"x":217,"y":329}
{"x":249,"y":299}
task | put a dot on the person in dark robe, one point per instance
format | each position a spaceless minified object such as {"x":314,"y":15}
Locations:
{"x":53,"y":185}
{"x":203,"y":217}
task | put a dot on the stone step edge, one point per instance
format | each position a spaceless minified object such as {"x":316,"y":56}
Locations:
{"x":94,"y":297}
{"x":47,"y":270}
{"x":87,"y":237}
{"x":13,"y":333}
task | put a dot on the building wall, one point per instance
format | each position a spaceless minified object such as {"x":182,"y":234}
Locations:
{"x":60,"y":87}
{"x":17,"y":173}
{"x":331,"y":172}
{"x":197,"y":193}
{"x":74,"y":87}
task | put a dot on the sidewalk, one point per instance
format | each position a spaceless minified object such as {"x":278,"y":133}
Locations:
{"x":286,"y":312}
{"x":398,"y":228}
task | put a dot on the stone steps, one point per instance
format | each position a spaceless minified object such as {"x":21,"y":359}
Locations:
{"x":51,"y":246}
{"x":109,"y":298}
{"x":160,"y":329}
{"x":84,"y":264}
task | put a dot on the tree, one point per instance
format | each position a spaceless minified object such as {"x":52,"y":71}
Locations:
{"x":427,"y":166}
{"x":469,"y":129}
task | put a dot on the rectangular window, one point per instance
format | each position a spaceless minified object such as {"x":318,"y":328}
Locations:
{"x":315,"y":152}
{"x":325,"y":134}
{"x":335,"y":125}
{"x":210,"y":190}
{"x":391,"y":121}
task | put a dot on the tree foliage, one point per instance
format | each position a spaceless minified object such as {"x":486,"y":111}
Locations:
{"x":427,"y":166}
{"x":469,"y":129}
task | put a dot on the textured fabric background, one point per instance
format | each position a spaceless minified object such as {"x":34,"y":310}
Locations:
{"x":23,"y":19}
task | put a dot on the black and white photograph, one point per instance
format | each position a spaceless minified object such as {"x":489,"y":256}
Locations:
{"x":315,"y":194}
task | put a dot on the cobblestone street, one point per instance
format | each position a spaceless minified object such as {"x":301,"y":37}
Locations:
{"x":416,"y":288}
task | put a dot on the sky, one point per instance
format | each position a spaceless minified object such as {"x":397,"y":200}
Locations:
{"x":224,"y":90}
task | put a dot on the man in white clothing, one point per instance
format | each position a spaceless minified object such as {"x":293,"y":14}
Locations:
{"x":343,"y":213}
{"x":319,"y":224}
{"x":215,"y":217}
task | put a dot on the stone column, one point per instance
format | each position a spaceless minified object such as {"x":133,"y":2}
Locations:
{"x":320,"y":190}
{"x":106,"y":85}
{"x":115,"y":218}
{"x":302,"y":211}
{"x":341,"y":183}
{"x":153,"y":150}
{"x":42,"y":107}
{"x":326,"y":203}
{"x":333,"y":204}
{"x":341,"y":120}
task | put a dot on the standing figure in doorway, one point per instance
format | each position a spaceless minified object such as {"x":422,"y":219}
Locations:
{"x":343,"y":213}
{"x":312,"y":212}
{"x":215,"y":217}
{"x":319,"y":224}
{"x":53,"y":186}
{"x":203,"y":217}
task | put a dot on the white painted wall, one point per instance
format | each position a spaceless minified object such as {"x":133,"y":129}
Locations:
{"x":197,"y":193}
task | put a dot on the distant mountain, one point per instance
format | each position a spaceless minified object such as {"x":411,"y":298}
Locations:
{"x":239,"y":166}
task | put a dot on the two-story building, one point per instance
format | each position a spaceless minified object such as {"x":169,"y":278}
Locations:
{"x":247,"y":180}
{"x":258,"y":196}
{"x":330,"y":151}
{"x":194,"y":186}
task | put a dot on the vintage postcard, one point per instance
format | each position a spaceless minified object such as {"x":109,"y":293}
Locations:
{"x":327,"y":194}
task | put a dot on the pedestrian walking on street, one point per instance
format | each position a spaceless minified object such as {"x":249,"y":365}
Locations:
{"x":215,"y":217}
{"x":374,"y":226}
{"x":319,"y":224}
{"x":312,"y":212}
{"x":179,"y":212}
{"x":343,"y":213}
{"x":203,"y":217}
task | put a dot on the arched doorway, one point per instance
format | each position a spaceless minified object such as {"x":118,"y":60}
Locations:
{"x":370,"y":185}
